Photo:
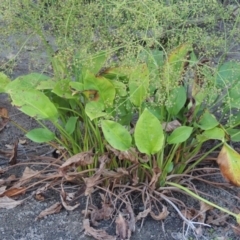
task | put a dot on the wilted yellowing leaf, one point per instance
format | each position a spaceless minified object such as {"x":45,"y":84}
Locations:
{"x":229,"y":163}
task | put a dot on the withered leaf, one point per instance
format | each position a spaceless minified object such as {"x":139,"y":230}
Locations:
{"x":170,"y":126}
{"x":131,"y":221}
{"x":130,"y":154}
{"x":4,"y":117}
{"x":26,"y":177}
{"x":8,"y":180}
{"x":122,"y":229}
{"x":39,"y":193}
{"x":92,"y":181}
{"x":97,"y":234}
{"x":64,"y":196}
{"x":80,"y":159}
{"x":229,"y":163}
{"x":162,"y":215}
{"x":96,"y":214}
{"x":8,"y":203}
{"x":143,"y":214}
{"x":236,"y":229}
{"x":156,"y":174}
{"x":12,"y":192}
{"x":55,"y":208}
{"x":13,"y":157}
{"x":2,"y":190}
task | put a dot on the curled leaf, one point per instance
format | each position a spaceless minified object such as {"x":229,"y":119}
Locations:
{"x":162,"y":215}
{"x":170,"y":126}
{"x":97,"y":234}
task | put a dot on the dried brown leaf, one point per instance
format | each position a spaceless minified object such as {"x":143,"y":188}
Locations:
{"x":40,"y":191}
{"x":4,"y":117}
{"x":7,"y":181}
{"x":217,"y":221}
{"x":92,"y":181}
{"x":12,"y":192}
{"x":55,"y":208}
{"x":8,"y":203}
{"x":97,"y":234}
{"x":80,"y":159}
{"x":13,"y":157}
{"x":130,"y":154}
{"x":170,"y":126}
{"x":236,"y":229}
{"x":2,"y":190}
{"x":26,"y":177}
{"x":96,"y":214}
{"x":143,"y":214}
{"x":122,"y":229}
{"x":162,"y":215}
{"x":64,"y":196}
{"x":131,"y":221}
{"x":156,"y":174}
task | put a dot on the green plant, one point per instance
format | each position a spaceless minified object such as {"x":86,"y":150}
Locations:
{"x":96,"y":107}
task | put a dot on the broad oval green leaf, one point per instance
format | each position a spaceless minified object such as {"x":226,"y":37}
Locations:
{"x":234,"y":134}
{"x":148,"y":134}
{"x":139,"y":84}
{"x":208,"y":121}
{"x":77,"y":85}
{"x":179,"y":135}
{"x":116,"y":135}
{"x":63,"y":89}
{"x":71,"y":125}
{"x":26,"y":82}
{"x":95,"y":110}
{"x":40,"y":135}
{"x":35,"y":104}
{"x":229,"y":163}
{"x":214,"y":133}
{"x":177,"y":99}
{"x":228,"y":73}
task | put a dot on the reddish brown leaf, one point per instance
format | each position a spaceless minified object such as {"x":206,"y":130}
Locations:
{"x":122,"y":229}
{"x":8,"y":203}
{"x":12,"y":192}
{"x":55,"y":208}
{"x":80,"y":159}
{"x":97,"y":234}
